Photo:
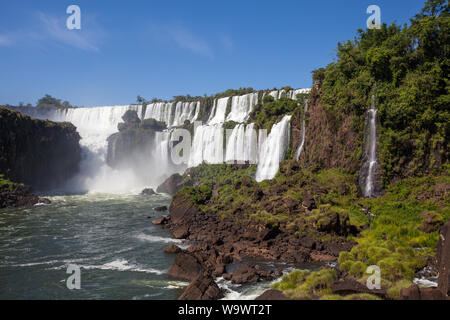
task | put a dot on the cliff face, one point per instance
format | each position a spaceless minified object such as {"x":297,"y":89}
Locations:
{"x":328,"y":144}
{"x":42,"y":154}
{"x":134,"y":144}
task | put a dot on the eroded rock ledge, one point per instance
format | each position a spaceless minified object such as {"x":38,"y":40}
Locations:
{"x":218,"y":242}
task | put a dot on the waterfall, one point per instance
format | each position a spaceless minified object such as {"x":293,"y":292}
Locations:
{"x":370,"y":165}
{"x":302,"y":143}
{"x":273,"y":150}
{"x":160,"y":111}
{"x":242,"y":106}
{"x":207,"y":145}
{"x":220,"y":110}
{"x":242,"y":145}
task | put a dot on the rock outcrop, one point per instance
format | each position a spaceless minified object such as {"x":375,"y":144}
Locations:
{"x":42,"y":154}
{"x":202,"y":288}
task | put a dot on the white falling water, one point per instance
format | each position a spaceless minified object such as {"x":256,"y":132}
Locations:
{"x":369,"y":187}
{"x":302,"y":143}
{"x":242,"y":145}
{"x":242,"y":106}
{"x":219,"y":111}
{"x":273,"y":150}
{"x":160,"y":111}
{"x":95,"y":125}
{"x":185,"y":111}
{"x":207,"y":145}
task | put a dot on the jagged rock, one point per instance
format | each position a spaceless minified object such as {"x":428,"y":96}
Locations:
{"x":272,"y":295}
{"x":172,"y":249}
{"x":160,"y":221}
{"x":185,"y":267}
{"x":17,"y":195}
{"x":44,"y":201}
{"x":172,"y":185}
{"x":250,"y":274}
{"x":202,"y":288}
{"x":148,"y":192}
{"x":161,"y":209}
{"x":181,"y":232}
{"x":182,"y":209}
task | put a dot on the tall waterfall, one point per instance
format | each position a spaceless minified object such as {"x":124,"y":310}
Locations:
{"x":302,"y":143}
{"x":211,"y":142}
{"x":273,"y":150}
{"x":368,"y":170}
{"x":241,"y":106}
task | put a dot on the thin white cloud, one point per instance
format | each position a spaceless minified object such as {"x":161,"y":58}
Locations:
{"x":49,"y":31}
{"x":183,"y":38}
{"x":55,"y":29}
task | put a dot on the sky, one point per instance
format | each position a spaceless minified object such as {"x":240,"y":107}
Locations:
{"x":163,"y":48}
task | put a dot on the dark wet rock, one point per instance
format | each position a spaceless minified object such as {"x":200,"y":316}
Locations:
{"x":186,"y":267}
{"x":182,"y":210}
{"x":161,"y":209}
{"x":272,"y":295}
{"x":172,"y":185}
{"x":416,"y":293}
{"x":250,"y":274}
{"x":202,"y":288}
{"x":44,"y":201}
{"x":17,"y":195}
{"x":160,"y":221}
{"x":148,"y":192}
{"x":181,"y":232}
{"x":172,"y":249}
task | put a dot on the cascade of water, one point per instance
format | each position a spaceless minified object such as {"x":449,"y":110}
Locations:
{"x":368,"y":170}
{"x":207,"y":145}
{"x":241,"y":106}
{"x":220,"y":110}
{"x":160,"y":111}
{"x":302,"y":143}
{"x":273,"y":150}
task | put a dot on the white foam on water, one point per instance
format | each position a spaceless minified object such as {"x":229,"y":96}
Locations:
{"x":123,"y":265}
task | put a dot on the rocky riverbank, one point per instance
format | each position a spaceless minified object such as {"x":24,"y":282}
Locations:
{"x":219,"y":242}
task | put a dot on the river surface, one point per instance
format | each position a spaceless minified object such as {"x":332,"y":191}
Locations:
{"x":109,"y":237}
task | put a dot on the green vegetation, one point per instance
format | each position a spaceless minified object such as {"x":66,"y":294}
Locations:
{"x":302,"y":284}
{"x":407,"y":69}
{"x":265,"y":115}
{"x":5,"y":183}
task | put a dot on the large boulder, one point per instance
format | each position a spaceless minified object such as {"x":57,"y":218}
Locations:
{"x":202,"y":287}
{"x":185,"y":267}
{"x":172,"y":185}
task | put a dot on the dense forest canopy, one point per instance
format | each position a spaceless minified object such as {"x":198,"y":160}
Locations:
{"x":406,"y":68}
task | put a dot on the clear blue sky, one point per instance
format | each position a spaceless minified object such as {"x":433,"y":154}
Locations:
{"x":159,"y":48}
